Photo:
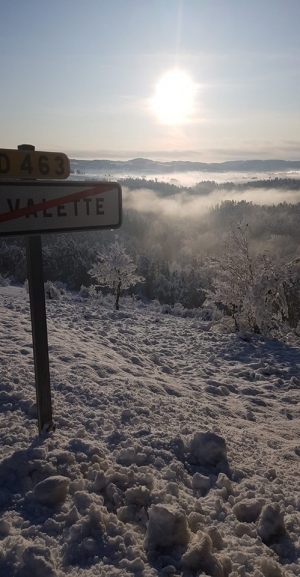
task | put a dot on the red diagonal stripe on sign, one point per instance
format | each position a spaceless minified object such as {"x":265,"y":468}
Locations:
{"x":11,"y":215}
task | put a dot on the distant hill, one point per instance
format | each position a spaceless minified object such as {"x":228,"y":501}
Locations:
{"x":146,"y":166}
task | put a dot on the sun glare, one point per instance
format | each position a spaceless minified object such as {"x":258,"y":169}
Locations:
{"x":174,"y":97}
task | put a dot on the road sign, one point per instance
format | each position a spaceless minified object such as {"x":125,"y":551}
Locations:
{"x":33,"y":164}
{"x":47,"y":207}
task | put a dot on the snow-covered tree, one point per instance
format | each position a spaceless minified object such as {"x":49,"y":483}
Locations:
{"x":291,"y":285}
{"x":233,"y":273}
{"x":115,"y":269}
{"x":266,"y":297}
{"x":250,"y":287}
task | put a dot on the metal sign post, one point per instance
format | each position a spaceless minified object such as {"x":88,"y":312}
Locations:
{"x":39,"y":327}
{"x":39,"y":332}
{"x":31,"y":207}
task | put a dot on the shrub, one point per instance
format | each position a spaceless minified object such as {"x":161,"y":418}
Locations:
{"x":52,"y":292}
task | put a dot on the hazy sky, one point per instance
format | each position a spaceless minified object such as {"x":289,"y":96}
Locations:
{"x":80,"y":76}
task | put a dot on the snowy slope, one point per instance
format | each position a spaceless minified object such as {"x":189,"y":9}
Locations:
{"x":176,"y":452}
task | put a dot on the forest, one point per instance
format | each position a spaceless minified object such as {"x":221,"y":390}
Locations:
{"x":189,"y":258}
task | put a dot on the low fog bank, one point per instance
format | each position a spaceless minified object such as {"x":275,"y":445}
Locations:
{"x":171,"y":233}
{"x":183,"y":226}
{"x":185,"y":173}
{"x":190,"y":202}
{"x":185,"y":205}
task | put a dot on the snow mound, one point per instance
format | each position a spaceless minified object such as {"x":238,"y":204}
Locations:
{"x":199,"y":557}
{"x":52,"y":490}
{"x":38,"y":561}
{"x":270,"y":568}
{"x":201,"y":483}
{"x":248,"y":511}
{"x":26,"y":558}
{"x":207,"y":449}
{"x":167,"y":527}
{"x":271,"y":522}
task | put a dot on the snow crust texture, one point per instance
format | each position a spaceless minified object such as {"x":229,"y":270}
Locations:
{"x":176,"y":450}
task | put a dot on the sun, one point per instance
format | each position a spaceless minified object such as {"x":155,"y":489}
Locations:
{"x":174,"y":98}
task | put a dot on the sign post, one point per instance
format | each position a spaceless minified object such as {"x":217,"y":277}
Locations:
{"x":39,"y":327}
{"x":39,"y":332}
{"x":31,"y":207}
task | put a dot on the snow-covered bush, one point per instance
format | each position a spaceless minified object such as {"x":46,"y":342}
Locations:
{"x":166,"y":309}
{"x":52,"y":292}
{"x":115,"y":269}
{"x":13,"y":259}
{"x":88,"y":292}
{"x":292,"y":292}
{"x":178,"y":310}
{"x":4,"y":281}
{"x":251,"y":288}
{"x":62,"y":287}
{"x":155,"y":306}
{"x":265,"y":301}
{"x":233,"y":276}
{"x":210,"y":312}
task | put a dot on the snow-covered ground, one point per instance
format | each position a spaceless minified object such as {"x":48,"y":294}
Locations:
{"x":176,"y":452}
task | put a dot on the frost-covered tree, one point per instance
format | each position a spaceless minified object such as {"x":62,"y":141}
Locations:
{"x":148,"y":269}
{"x":13,"y":260}
{"x":115,"y":269}
{"x":233,"y":274}
{"x":291,"y":285}
{"x":250,"y":287}
{"x":265,"y":298}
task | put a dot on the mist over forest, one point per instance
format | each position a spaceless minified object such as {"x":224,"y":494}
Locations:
{"x":171,"y":233}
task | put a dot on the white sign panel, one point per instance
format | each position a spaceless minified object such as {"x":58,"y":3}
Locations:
{"x":40,"y":208}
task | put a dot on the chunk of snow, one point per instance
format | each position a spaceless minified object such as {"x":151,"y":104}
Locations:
{"x":167,"y":527}
{"x":249,"y":510}
{"x":199,"y":557}
{"x":271,"y":522}
{"x":198,"y":551}
{"x":196,"y":521}
{"x":4,"y":527}
{"x":137,"y":496}
{"x":270,"y":568}
{"x":224,"y":483}
{"x":37,"y":560}
{"x":201,"y":483}
{"x":52,"y":490}
{"x":207,"y":449}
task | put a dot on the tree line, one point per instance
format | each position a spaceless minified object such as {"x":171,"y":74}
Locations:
{"x":251,"y":249}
